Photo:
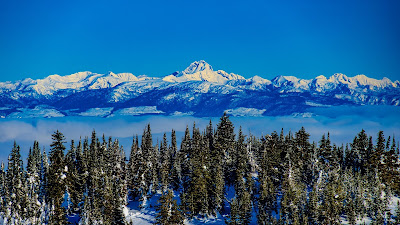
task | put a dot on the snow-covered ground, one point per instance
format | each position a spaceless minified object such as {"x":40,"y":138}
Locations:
{"x":37,"y":112}
{"x":101,"y":112}
{"x":140,"y":110}
{"x":147,"y":216}
{"x":241,"y":111}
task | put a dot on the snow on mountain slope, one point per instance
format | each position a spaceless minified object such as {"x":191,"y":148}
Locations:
{"x":202,"y":71}
{"x":111,"y":80}
{"x":198,"y":90}
{"x":77,"y":82}
{"x":290,"y":84}
{"x":360,"y":82}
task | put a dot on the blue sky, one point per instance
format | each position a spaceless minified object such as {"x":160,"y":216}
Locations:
{"x":266,"y":38}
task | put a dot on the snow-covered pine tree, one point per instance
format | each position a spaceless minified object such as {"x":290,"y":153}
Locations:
{"x":225,"y":142}
{"x":268,"y":178}
{"x":71,"y":178}
{"x":376,"y":158}
{"x":134,"y":168}
{"x":221,"y":161}
{"x":195,"y":198}
{"x":168,"y":212}
{"x":165,"y":164}
{"x":56,"y":179}
{"x":303,"y":148}
{"x":234,"y":215}
{"x":390,"y":171}
{"x":43,"y":195}
{"x":115,"y":194}
{"x":241,"y":205}
{"x":184,"y":155}
{"x":148,"y":173}
{"x":175,"y":171}
{"x":3,"y":190}
{"x":16,"y":183}
{"x":33,"y":183}
{"x":361,"y":147}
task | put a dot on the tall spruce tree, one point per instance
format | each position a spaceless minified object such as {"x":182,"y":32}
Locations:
{"x":165,"y":162}
{"x":221,"y":157}
{"x":33,"y":183}
{"x":16,"y":184}
{"x":185,"y":153}
{"x":3,"y":190}
{"x":168,"y":212}
{"x":56,"y":179}
{"x":175,"y":171}
{"x":195,"y":198}
{"x":134,"y":168}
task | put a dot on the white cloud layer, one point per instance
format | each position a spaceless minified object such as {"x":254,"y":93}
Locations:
{"x":342,"y":123}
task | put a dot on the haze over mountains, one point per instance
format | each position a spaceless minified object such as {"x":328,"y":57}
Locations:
{"x":198,"y":90}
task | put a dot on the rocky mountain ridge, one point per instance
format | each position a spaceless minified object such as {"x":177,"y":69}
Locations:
{"x":198,"y":90}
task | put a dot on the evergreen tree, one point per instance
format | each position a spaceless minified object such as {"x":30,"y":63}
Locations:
{"x":377,"y":157}
{"x":56,"y":179}
{"x":305,"y":152}
{"x":168,"y":212}
{"x":43,"y":189}
{"x":3,"y":190}
{"x":175,"y":170}
{"x":134,"y":167}
{"x":184,"y":159}
{"x":33,"y":183}
{"x":196,"y":197}
{"x":72,"y":178}
{"x":361,"y":147}
{"x":17,"y":204}
{"x":225,"y":142}
{"x":165,"y":163}
{"x":221,"y":161}
{"x":268,"y":178}
{"x":234,"y":216}
{"x":149,"y":171}
{"x":397,"y":219}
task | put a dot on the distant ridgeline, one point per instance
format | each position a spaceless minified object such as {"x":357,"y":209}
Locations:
{"x":274,"y":179}
{"x":198,"y":91}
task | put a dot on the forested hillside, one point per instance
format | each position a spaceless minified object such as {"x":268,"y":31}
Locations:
{"x":279,"y":178}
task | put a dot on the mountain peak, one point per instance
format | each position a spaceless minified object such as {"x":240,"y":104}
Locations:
{"x":197,"y":66}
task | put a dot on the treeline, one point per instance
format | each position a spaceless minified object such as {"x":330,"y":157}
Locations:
{"x":281,"y":178}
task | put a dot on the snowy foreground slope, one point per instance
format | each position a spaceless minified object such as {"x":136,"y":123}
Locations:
{"x":147,"y":216}
{"x":198,"y":90}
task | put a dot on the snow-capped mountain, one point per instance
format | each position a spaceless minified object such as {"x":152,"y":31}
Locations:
{"x":197,"y":90}
{"x":202,"y":71}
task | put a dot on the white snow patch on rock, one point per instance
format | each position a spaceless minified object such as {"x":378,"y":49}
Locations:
{"x":241,"y":111}
{"x":140,"y":110}
{"x":97,"y":112}
{"x":35,"y":113}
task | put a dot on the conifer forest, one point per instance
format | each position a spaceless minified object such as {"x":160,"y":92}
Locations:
{"x":279,"y":178}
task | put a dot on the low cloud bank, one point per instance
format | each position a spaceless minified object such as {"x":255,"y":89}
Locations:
{"x":342,"y":124}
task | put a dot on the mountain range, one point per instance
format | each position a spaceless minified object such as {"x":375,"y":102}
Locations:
{"x":198,"y":90}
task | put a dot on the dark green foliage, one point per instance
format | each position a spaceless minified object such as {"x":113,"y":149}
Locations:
{"x":135,"y":169}
{"x":195,"y":198}
{"x":302,"y":182}
{"x":175,"y":170}
{"x":168,"y":212}
{"x":3,"y":189}
{"x":56,"y":179}
{"x":16,"y":184}
{"x":269,"y":177}
{"x":165,"y":163}
{"x":184,"y":159}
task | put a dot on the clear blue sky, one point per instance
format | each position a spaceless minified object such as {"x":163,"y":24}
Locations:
{"x":266,"y":38}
